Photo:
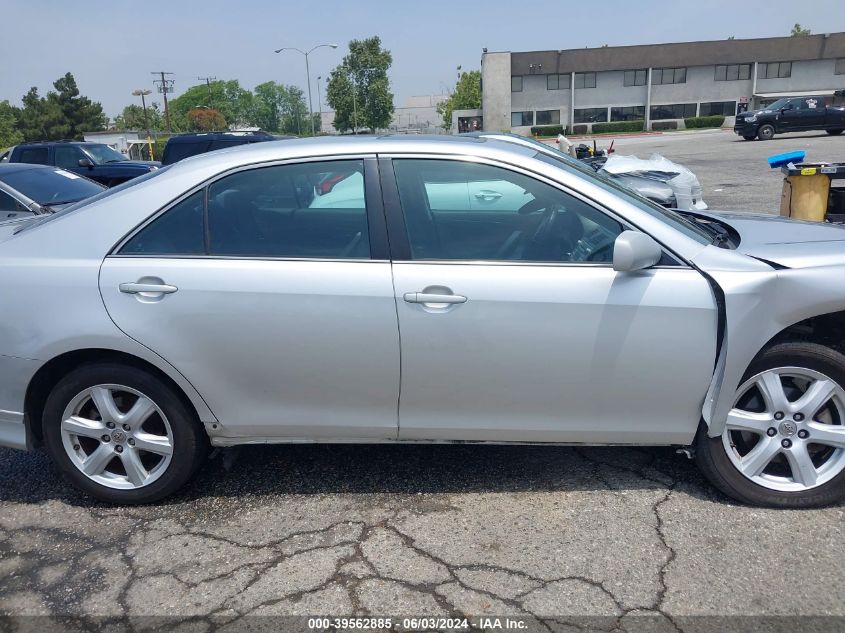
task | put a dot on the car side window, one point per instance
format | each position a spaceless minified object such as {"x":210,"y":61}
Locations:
{"x":458,"y":210}
{"x":68,"y":156}
{"x":7,"y":202}
{"x":33,"y":155}
{"x":305,"y":210}
{"x":179,"y":231}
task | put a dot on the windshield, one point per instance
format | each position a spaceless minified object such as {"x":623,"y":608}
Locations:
{"x":104,"y":154}
{"x":51,"y":186}
{"x":777,"y":105}
{"x":679,"y":222}
{"x":103,"y":193}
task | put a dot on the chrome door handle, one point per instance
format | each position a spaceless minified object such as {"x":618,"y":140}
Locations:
{"x":136,"y":288}
{"x":488,"y":195}
{"x":423,"y":297}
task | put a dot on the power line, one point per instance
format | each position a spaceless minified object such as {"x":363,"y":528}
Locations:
{"x":164,"y":86}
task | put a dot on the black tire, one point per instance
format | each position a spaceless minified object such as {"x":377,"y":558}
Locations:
{"x":190,"y":442}
{"x":714,"y":462}
{"x":749,"y":138}
{"x":835,"y":132}
{"x":766,"y":132}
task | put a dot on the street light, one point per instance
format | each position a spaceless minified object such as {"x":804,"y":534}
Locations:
{"x":142,"y":92}
{"x":319,"y":103}
{"x":308,"y":75}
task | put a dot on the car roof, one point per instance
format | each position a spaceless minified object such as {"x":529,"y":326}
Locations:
{"x":212,"y":136}
{"x":11,"y":168}
{"x":64,"y":142}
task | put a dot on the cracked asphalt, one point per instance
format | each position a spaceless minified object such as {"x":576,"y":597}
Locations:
{"x":627,"y":539}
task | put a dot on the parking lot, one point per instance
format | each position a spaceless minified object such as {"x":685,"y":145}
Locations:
{"x":582,"y":538}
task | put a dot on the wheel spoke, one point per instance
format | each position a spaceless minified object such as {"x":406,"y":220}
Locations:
{"x":759,"y":457}
{"x":816,"y":396}
{"x":135,"y":470}
{"x":803,"y":470}
{"x":771,"y":387}
{"x":827,"y":434}
{"x":97,"y":461}
{"x":83,"y":427}
{"x":739,"y":420}
{"x":159,"y":444}
{"x":138,"y":414}
{"x":104,"y":401}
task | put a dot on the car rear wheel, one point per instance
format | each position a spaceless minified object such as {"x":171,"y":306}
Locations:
{"x":120,"y":434}
{"x":749,"y":138}
{"x":766,"y":132}
{"x":834,"y":132}
{"x":784,"y":443}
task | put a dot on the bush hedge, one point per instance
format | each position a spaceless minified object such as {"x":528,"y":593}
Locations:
{"x":664,"y":125}
{"x":548,"y":130}
{"x":618,"y":126}
{"x":580,"y":129}
{"x":704,"y":121}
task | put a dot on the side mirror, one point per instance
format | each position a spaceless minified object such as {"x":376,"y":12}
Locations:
{"x":86,"y":162}
{"x":633,"y":250}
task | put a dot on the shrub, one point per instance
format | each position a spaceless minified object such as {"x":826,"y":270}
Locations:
{"x":618,"y":126}
{"x":704,"y":121}
{"x":664,"y":125}
{"x":580,"y":129}
{"x":548,"y":130}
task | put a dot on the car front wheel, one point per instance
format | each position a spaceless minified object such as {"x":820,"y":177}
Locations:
{"x":121,"y":434}
{"x":766,"y":132}
{"x":784,"y":443}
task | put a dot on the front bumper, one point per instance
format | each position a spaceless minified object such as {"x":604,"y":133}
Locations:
{"x":745,"y":129}
{"x":15,"y":375}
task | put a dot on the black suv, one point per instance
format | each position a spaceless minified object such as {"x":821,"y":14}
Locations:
{"x":185,"y":145}
{"x":96,"y":161}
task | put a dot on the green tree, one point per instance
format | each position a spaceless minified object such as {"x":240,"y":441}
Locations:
{"x":797,"y":31}
{"x":359,"y":90}
{"x":132,"y":118}
{"x":234,"y":103}
{"x":467,"y":96}
{"x":9,"y":134}
{"x":63,"y":113}
{"x":280,"y":108}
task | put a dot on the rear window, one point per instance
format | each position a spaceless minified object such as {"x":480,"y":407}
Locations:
{"x":33,"y":155}
{"x":174,"y":152}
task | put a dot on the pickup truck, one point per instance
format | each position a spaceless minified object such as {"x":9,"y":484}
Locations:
{"x":96,"y":161}
{"x":794,"y":114}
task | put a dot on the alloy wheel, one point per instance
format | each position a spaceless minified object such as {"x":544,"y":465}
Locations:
{"x":117,"y":436}
{"x":786,"y":431}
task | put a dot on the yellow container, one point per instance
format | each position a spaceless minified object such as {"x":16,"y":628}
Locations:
{"x":804,"y":197}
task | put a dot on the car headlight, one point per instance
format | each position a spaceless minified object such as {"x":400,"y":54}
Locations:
{"x":153,"y":167}
{"x":750,"y":119}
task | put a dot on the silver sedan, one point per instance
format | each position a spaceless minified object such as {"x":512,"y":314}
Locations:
{"x":418,"y":290}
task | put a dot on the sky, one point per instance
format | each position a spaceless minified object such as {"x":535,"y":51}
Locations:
{"x":111,"y":46}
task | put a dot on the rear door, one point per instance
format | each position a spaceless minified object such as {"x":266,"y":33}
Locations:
{"x":515,"y":327}
{"x":280,"y":313}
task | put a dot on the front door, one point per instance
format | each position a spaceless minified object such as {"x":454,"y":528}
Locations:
{"x":278,"y":309}
{"x":514,"y":326}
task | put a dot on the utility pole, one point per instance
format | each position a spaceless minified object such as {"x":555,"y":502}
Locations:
{"x":208,"y":81}
{"x":164,"y":86}
{"x":319,"y":104}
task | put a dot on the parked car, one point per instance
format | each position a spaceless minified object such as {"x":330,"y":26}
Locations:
{"x":185,"y":145}
{"x":27,"y":190}
{"x":95,"y":161}
{"x":798,"y":114}
{"x":213,"y":303}
{"x":657,"y":179}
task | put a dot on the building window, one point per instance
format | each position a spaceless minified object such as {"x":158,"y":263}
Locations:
{"x":635,"y":77}
{"x":521,"y":119}
{"x":557,"y":82}
{"x":516,"y":83}
{"x":590,"y":115}
{"x":714,"y":108}
{"x":668,"y":76}
{"x":775,"y":70}
{"x":839,"y":69}
{"x":585,"y":80}
{"x":733,"y":72}
{"x":547,"y":117}
{"x":672,"y":111}
{"x":627,"y":113}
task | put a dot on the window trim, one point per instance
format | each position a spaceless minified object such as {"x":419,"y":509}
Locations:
{"x":635,"y":71}
{"x":584,"y":75}
{"x":398,"y":234}
{"x":379,"y":252}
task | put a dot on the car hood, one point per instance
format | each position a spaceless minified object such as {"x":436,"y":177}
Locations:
{"x":784,"y":241}
{"x":8,"y":228}
{"x":145,"y":164}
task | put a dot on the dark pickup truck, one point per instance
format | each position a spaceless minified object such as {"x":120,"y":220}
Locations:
{"x":96,"y":161}
{"x":794,"y":114}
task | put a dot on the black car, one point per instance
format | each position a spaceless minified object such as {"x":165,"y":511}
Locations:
{"x":96,"y":161}
{"x":36,"y":189}
{"x":798,"y":114}
{"x":185,"y":145}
